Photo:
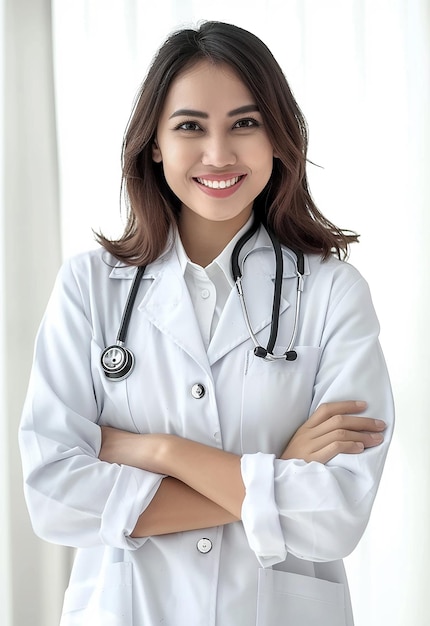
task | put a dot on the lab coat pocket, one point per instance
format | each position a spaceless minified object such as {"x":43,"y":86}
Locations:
{"x":108,"y":603}
{"x":276,"y":397}
{"x":296,"y":600}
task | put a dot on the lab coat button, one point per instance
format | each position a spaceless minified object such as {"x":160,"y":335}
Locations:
{"x":198,"y":391}
{"x":205,"y":293}
{"x":204,"y":545}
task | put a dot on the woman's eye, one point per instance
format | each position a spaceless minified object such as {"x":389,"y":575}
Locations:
{"x":188,"y":126}
{"x":249,"y":122}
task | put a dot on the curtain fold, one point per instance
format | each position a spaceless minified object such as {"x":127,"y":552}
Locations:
{"x":5,"y":554}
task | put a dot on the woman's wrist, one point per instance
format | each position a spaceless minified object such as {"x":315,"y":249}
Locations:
{"x":151,"y":452}
{"x":155,"y":452}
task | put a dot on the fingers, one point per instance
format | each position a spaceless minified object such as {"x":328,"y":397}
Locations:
{"x":334,"y":429}
{"x":347,"y":423}
{"x":327,"y":453}
{"x":306,"y":446}
{"x":329,"y":409}
{"x":343,"y":441}
{"x":338,"y":415}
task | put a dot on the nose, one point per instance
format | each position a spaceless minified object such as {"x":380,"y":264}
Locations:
{"x":218,"y":151}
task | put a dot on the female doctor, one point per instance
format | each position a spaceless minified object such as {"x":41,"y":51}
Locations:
{"x":204,"y":481}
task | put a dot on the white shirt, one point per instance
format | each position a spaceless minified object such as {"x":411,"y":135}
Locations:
{"x":210,"y":287}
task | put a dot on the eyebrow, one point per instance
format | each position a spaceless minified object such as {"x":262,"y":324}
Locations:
{"x":247,"y":108}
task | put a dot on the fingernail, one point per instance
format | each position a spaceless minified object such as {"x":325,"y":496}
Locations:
{"x":380,"y":424}
{"x":360,"y":404}
{"x":376,"y":437}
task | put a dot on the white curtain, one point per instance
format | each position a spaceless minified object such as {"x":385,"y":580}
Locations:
{"x":360,"y":70}
{"x":32,"y":573}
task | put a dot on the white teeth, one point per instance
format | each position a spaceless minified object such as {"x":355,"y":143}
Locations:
{"x":219,"y":184}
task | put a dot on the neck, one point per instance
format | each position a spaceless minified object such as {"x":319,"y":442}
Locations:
{"x":204,"y":240}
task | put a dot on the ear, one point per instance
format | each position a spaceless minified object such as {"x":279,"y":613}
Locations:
{"x":156,"y":152}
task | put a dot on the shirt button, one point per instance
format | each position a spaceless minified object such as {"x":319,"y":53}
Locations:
{"x":198,"y":391}
{"x":205,"y":293}
{"x":204,"y":545}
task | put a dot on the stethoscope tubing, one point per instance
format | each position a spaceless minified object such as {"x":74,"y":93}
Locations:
{"x":128,"y":309}
{"x":117,"y":361}
{"x":267,"y":353}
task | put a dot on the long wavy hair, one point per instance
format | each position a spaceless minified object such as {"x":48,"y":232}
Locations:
{"x":285,"y":204}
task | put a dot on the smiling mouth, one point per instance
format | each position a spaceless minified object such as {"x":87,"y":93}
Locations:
{"x":219,"y":184}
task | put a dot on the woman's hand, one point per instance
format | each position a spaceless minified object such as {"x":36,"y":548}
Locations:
{"x":334,"y":429}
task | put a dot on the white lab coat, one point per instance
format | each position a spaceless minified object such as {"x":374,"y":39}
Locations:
{"x":282,"y":563}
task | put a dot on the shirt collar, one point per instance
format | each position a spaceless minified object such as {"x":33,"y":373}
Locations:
{"x":222,"y":261}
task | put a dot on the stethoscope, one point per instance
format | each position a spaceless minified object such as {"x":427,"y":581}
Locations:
{"x":267,"y":353}
{"x":117,"y":361}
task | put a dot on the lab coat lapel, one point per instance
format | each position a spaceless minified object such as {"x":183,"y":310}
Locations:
{"x":258,"y":283}
{"x":167,"y":305}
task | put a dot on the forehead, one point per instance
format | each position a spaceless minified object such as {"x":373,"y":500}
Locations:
{"x":206,"y":86}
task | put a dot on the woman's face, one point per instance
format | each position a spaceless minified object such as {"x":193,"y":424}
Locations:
{"x":213,"y":145}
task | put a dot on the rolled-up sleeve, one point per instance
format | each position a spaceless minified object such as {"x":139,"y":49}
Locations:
{"x":74,"y":498}
{"x":318,"y":511}
{"x":260,"y":515}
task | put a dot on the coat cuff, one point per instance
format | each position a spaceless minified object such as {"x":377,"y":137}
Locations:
{"x":260,"y":515}
{"x":133,"y":492}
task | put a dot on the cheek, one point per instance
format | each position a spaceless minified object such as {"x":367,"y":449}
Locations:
{"x":178,"y":159}
{"x":261,"y":154}
{"x":266,"y":167}
{"x":176,"y":172}
{"x":173,"y":172}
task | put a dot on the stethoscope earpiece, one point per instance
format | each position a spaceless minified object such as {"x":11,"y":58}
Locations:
{"x":262,"y":353}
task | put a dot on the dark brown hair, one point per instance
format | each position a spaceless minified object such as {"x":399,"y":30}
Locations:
{"x":285,"y":204}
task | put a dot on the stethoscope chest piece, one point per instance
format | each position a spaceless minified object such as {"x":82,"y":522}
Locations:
{"x":117,"y":362}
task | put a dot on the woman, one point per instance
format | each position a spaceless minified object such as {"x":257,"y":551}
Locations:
{"x":201,"y":482}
